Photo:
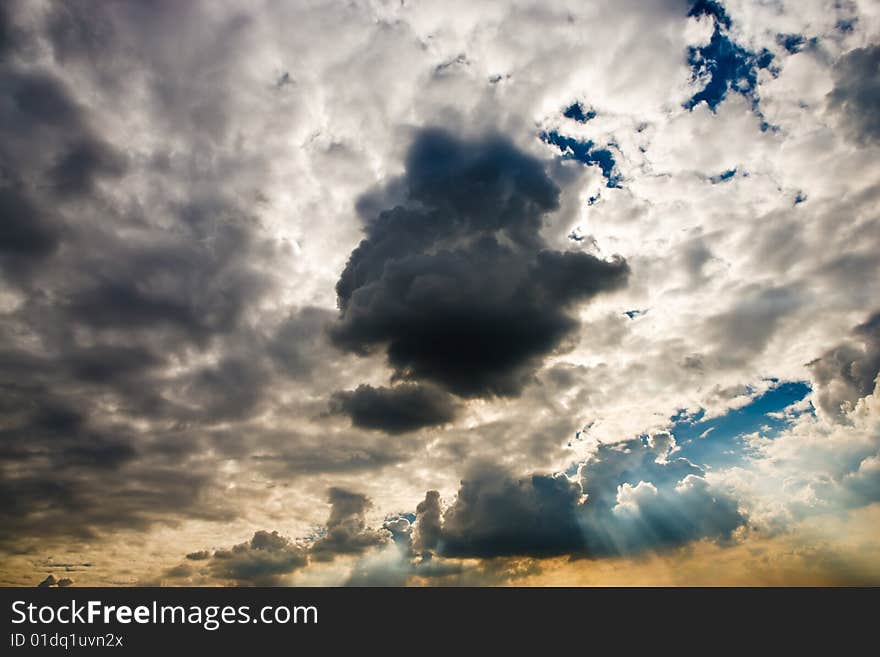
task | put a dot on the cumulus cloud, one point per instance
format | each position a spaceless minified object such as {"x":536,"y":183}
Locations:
{"x":399,"y":409}
{"x":848,"y":372}
{"x":494,"y":515}
{"x":428,"y":522}
{"x":346,"y":531}
{"x":456,"y":282}
{"x":268,"y":558}
{"x":816,"y":467}
{"x":629,"y":497}
{"x":825,"y":462}
{"x":262,"y":561}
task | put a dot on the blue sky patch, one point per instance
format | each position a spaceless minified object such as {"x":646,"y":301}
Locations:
{"x":587,"y":153}
{"x":723,"y":176}
{"x":846,"y":25}
{"x":729,"y":67}
{"x":791,"y":42}
{"x":724,"y":63}
{"x":718,"y":441}
{"x":576,"y":112}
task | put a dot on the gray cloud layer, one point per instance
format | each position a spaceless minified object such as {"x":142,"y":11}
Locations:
{"x":856,"y":93}
{"x":133,"y":326}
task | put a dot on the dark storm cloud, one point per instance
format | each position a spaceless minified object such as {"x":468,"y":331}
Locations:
{"x":47,"y":149}
{"x":78,"y":473}
{"x":495,"y":515}
{"x":456,"y":282}
{"x":401,"y":408}
{"x":346,"y":531}
{"x":23,"y":231}
{"x":75,"y":172}
{"x":5,"y":31}
{"x":131,"y":334}
{"x":39,"y":100}
{"x":99,"y":365}
{"x":848,"y":372}
{"x":48,"y":144}
{"x":856,"y":93}
{"x":638,"y":497}
{"x":81,"y":496}
{"x":262,"y":561}
{"x":133,"y":327}
{"x":198,"y":290}
{"x":428,"y":522}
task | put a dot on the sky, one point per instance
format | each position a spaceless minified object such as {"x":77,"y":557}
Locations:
{"x":439,"y":293}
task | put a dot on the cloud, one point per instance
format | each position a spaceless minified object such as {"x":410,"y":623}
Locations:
{"x":856,"y":93}
{"x":346,"y":531}
{"x":399,"y":409}
{"x":299,"y":344}
{"x":129,"y":323}
{"x":495,"y":515}
{"x":630,"y":497}
{"x":269,"y":558}
{"x":262,"y":561}
{"x":199,"y":555}
{"x":819,"y":466}
{"x":745,"y":329}
{"x":400,"y":528}
{"x":51,"y":581}
{"x":456,"y":283}
{"x":428,"y":522}
{"x":24,"y":232}
{"x":848,"y":372}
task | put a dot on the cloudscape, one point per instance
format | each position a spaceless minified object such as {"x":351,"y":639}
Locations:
{"x":401,"y":292}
